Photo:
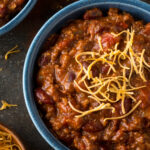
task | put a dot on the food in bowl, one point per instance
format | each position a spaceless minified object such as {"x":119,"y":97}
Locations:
{"x":8,"y":140}
{"x":8,"y":8}
{"x":93,"y":82}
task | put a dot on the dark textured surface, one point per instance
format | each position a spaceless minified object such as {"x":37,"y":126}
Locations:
{"x":17,"y":118}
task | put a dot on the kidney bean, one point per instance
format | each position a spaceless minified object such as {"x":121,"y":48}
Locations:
{"x":42,"y":97}
{"x":93,"y":126}
{"x":127,"y":104}
{"x":71,"y":76}
{"x":105,"y":68}
{"x":95,"y":71}
{"x":44,"y":60}
{"x":93,"y":14}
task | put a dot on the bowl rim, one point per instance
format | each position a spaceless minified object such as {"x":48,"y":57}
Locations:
{"x":15,"y":137}
{"x":31,"y":106}
{"x":18,"y":17}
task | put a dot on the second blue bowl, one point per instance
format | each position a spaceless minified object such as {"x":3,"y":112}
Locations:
{"x":18,"y":18}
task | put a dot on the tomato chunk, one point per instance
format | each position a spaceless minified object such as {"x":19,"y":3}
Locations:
{"x":108,"y":40}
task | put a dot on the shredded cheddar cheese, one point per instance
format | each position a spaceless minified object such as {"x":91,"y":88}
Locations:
{"x":100,"y":44}
{"x":6,"y":139}
{"x":127,"y":114}
{"x":100,"y":107}
{"x":6,"y":105}
{"x":7,"y":142}
{"x":101,"y":88}
{"x":13,"y":50}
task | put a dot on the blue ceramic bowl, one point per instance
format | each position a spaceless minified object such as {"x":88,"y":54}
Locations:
{"x":137,"y":8}
{"x":18,"y":18}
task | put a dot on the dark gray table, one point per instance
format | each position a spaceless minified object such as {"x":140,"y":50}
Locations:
{"x":17,"y":118}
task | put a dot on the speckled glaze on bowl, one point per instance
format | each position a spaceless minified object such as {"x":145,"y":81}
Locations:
{"x":15,"y":137}
{"x":18,"y":18}
{"x":137,"y":8}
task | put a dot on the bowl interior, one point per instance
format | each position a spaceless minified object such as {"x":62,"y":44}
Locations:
{"x":18,"y":17}
{"x":138,"y":9}
{"x":15,"y":138}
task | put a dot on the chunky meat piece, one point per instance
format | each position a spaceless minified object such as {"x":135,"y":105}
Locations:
{"x":94,"y":27}
{"x":108,"y":40}
{"x":64,"y":60}
{"x":113,"y":11}
{"x":147,"y":29}
{"x":144,"y":95}
{"x":65,"y":78}
{"x":93,"y":14}
{"x":93,"y":126}
{"x":83,"y":143}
